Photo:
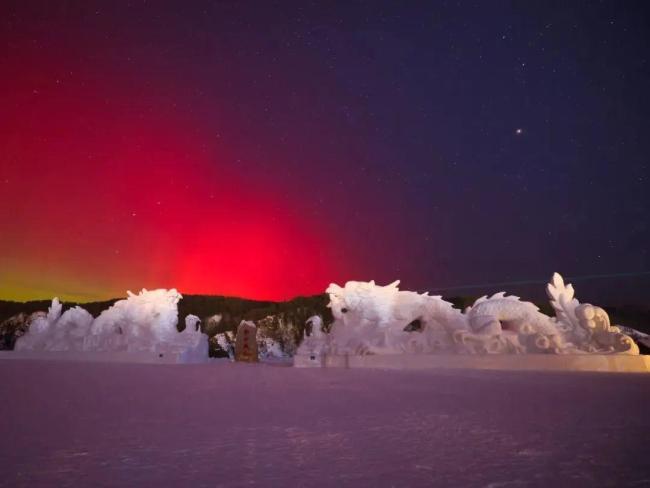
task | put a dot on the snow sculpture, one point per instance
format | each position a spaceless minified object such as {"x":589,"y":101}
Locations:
{"x":637,"y":336}
{"x":314,"y":327}
{"x":314,"y":342}
{"x":192,"y":323}
{"x":145,"y":322}
{"x":226,"y":342}
{"x":211,"y":325}
{"x":586,"y":325}
{"x":55,"y":331}
{"x":193,"y":342}
{"x":372,"y":319}
{"x":138,"y":323}
{"x":269,"y":348}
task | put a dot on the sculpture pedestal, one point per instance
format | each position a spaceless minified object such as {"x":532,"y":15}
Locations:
{"x":614,"y":363}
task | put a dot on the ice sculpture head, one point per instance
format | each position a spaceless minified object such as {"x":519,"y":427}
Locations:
{"x":596,"y":322}
{"x":359,"y":301}
{"x":192,"y":324}
{"x":314,"y":326}
{"x":345,"y":301}
{"x":151,"y":313}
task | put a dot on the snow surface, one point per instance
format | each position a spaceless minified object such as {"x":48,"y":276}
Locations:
{"x":229,"y":424}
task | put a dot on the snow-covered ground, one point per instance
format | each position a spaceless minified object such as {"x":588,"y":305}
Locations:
{"x":224,"y":424}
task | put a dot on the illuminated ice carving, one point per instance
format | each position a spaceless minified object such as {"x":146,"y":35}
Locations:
{"x":192,"y":343}
{"x":372,"y":319}
{"x":55,"y":331}
{"x":145,"y":322}
{"x":315,"y":340}
{"x":192,"y":324}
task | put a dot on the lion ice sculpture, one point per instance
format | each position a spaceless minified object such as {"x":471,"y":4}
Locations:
{"x":372,"y":319}
{"x":145,"y":322}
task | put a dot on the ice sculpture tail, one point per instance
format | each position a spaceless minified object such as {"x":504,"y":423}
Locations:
{"x":562,"y":298}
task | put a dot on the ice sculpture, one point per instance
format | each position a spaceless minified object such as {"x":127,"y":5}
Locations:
{"x":145,"y":322}
{"x":192,"y":323}
{"x":314,"y":343}
{"x":226,"y":342}
{"x":55,"y":331}
{"x":193,"y":343}
{"x":372,"y":319}
{"x":269,"y":348}
{"x":137,"y":323}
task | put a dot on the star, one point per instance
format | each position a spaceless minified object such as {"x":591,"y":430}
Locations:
{"x":519,"y":131}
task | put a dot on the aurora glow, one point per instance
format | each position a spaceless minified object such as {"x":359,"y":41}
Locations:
{"x":265,"y":150}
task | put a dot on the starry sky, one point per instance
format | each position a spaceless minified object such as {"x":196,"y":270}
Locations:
{"x":265,"y":149}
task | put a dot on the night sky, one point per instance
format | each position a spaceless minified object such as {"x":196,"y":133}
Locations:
{"x":265,"y":149}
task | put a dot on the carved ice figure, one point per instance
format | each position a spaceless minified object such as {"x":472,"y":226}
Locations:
{"x":505,"y":324}
{"x":372,"y":319}
{"x":314,"y":340}
{"x":192,"y":342}
{"x":226,"y":342}
{"x":36,"y":335}
{"x":54,"y":312}
{"x":143,"y":322}
{"x":314,"y":327}
{"x":584,"y":324}
{"x":269,"y":347}
{"x":68,"y":332}
{"x":375,"y":319}
{"x":138,"y":323}
{"x":192,"y":324}
{"x":55,"y":331}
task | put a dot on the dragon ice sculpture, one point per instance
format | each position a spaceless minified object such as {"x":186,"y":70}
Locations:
{"x":143,"y":322}
{"x":372,"y":319}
